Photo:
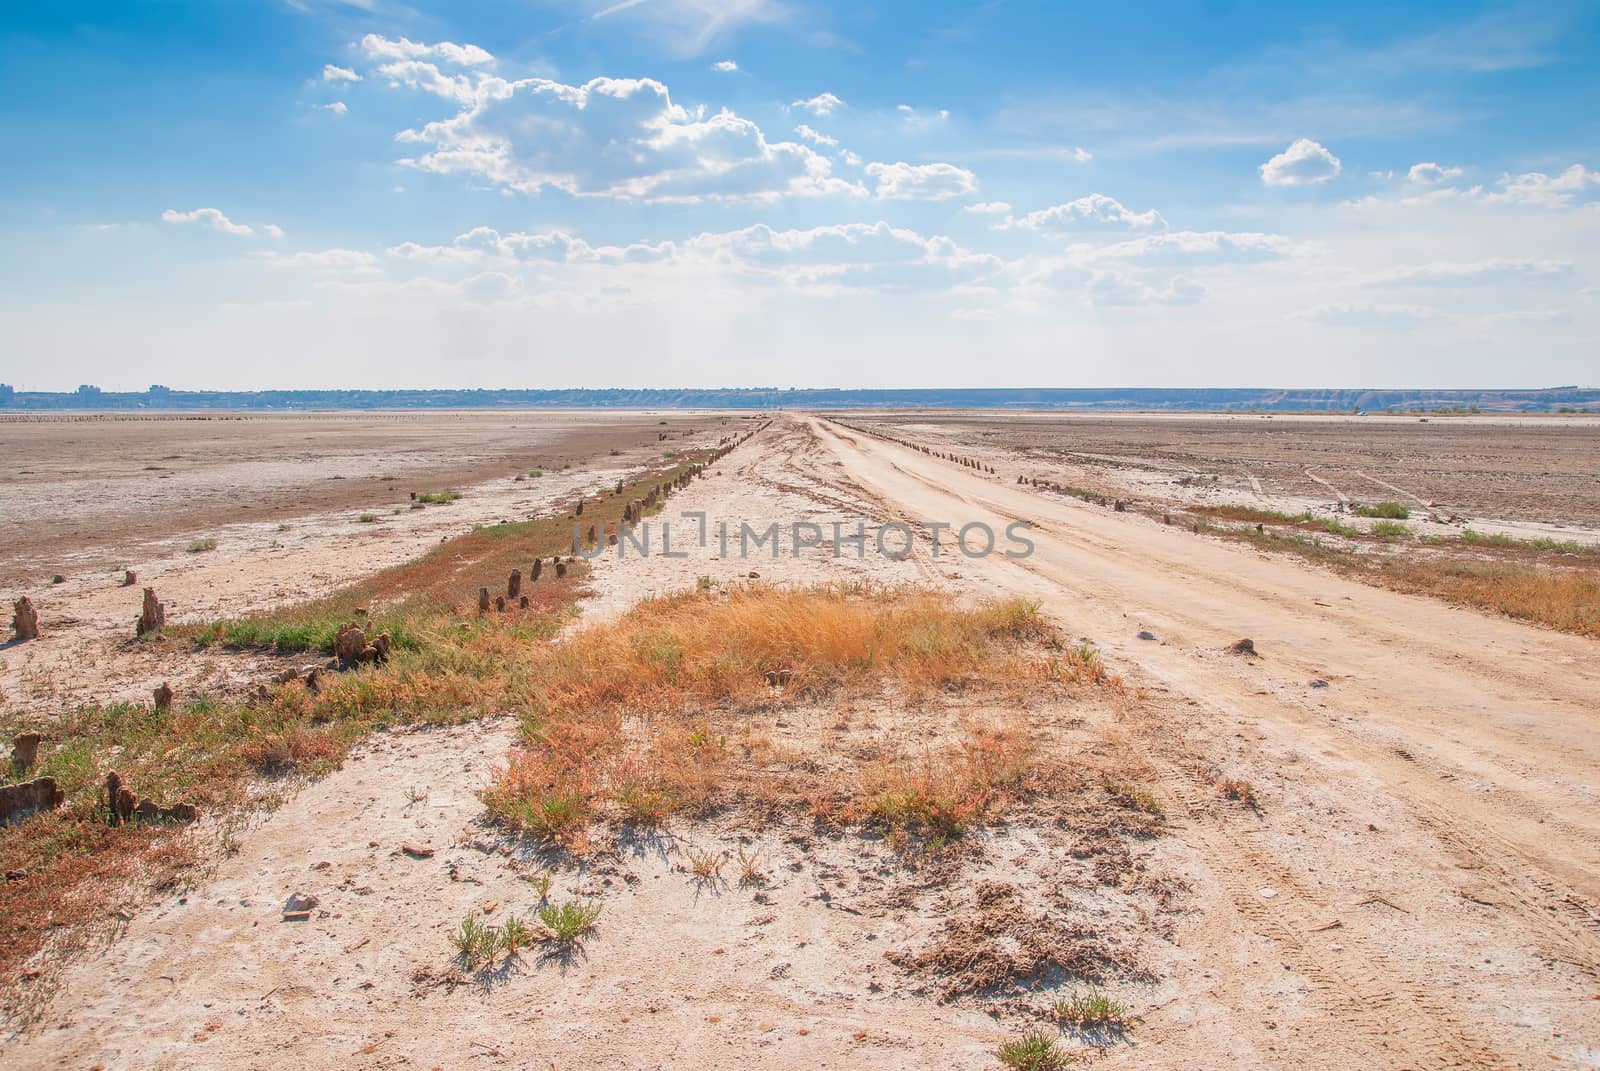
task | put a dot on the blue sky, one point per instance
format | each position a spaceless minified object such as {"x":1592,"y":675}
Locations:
{"x":343,"y":193}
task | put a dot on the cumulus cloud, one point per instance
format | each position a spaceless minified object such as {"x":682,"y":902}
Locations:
{"x":1473,"y":273}
{"x":384,"y":48}
{"x":417,"y":74}
{"x":337,"y":107}
{"x":614,"y":137}
{"x":1094,"y":211}
{"x":213,"y":218}
{"x":989,"y":208}
{"x":821,"y":104}
{"x":921,"y":182}
{"x":330,"y":73}
{"x":726,"y":66}
{"x":1358,"y":315}
{"x":1431,"y":174}
{"x":1305,"y":163}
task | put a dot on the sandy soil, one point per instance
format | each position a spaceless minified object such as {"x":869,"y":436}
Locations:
{"x":1524,"y":476}
{"x":86,"y":650}
{"x":1417,"y":889}
{"x":101,"y":491}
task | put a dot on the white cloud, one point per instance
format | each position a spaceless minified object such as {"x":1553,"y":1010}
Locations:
{"x":1431,"y":174}
{"x":1550,"y":191}
{"x":1305,"y":163}
{"x":821,"y":104}
{"x":912,"y":115}
{"x":330,"y":73}
{"x":1473,"y":273}
{"x":1349,"y":315}
{"x":921,"y":182}
{"x":383,"y":48}
{"x":272,"y":230}
{"x":726,"y":66}
{"x":1115,"y":289}
{"x":813,"y":136}
{"x":854,"y":254}
{"x":209,"y":217}
{"x":427,"y":77}
{"x":989,"y":208}
{"x":1198,"y":247}
{"x":615,"y":137}
{"x":337,"y":107}
{"x":1094,"y":210}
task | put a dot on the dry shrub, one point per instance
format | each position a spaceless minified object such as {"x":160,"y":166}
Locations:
{"x":954,"y":789}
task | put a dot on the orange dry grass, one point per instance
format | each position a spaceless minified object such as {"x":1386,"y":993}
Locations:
{"x":692,"y":650}
{"x":1565,"y":599}
{"x":631,"y":719}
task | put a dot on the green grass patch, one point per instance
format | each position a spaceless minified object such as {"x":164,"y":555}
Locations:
{"x":1389,"y":511}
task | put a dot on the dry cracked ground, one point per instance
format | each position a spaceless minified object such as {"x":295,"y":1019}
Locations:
{"x":1373,"y":843}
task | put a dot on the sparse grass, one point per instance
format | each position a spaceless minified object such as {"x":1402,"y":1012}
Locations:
{"x":447,"y":666}
{"x":1392,"y":511}
{"x":1542,"y":545}
{"x":567,"y":924}
{"x":705,"y":864}
{"x":750,"y":871}
{"x":536,"y":473}
{"x":541,"y":883}
{"x":1035,"y":1050}
{"x":200,"y":546}
{"x":367,"y":518}
{"x":1232,"y":788}
{"x":1132,"y":796}
{"x":1091,"y":1009}
{"x":475,"y":942}
{"x":438,"y":498}
{"x":1547,"y":582}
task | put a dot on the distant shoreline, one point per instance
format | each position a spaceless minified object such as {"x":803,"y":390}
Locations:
{"x":1139,"y":399}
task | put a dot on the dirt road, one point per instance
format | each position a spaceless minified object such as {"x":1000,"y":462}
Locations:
{"x":1436,"y":798}
{"x":1415,"y":886}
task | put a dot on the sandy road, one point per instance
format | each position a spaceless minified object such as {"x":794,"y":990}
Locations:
{"x":1448,"y":768}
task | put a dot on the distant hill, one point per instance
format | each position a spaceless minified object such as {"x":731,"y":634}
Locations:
{"x":1136,"y":398}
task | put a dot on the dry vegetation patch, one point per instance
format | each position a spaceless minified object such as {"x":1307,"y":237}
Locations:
{"x":1547,"y":582}
{"x":651,"y":716}
{"x":68,"y":872}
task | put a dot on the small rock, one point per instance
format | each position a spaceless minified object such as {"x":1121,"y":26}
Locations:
{"x":298,"y":907}
{"x":58,"y":579}
{"x":1147,"y":635}
{"x":417,"y":851}
{"x":1243,"y":647}
{"x":1319,"y":683}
